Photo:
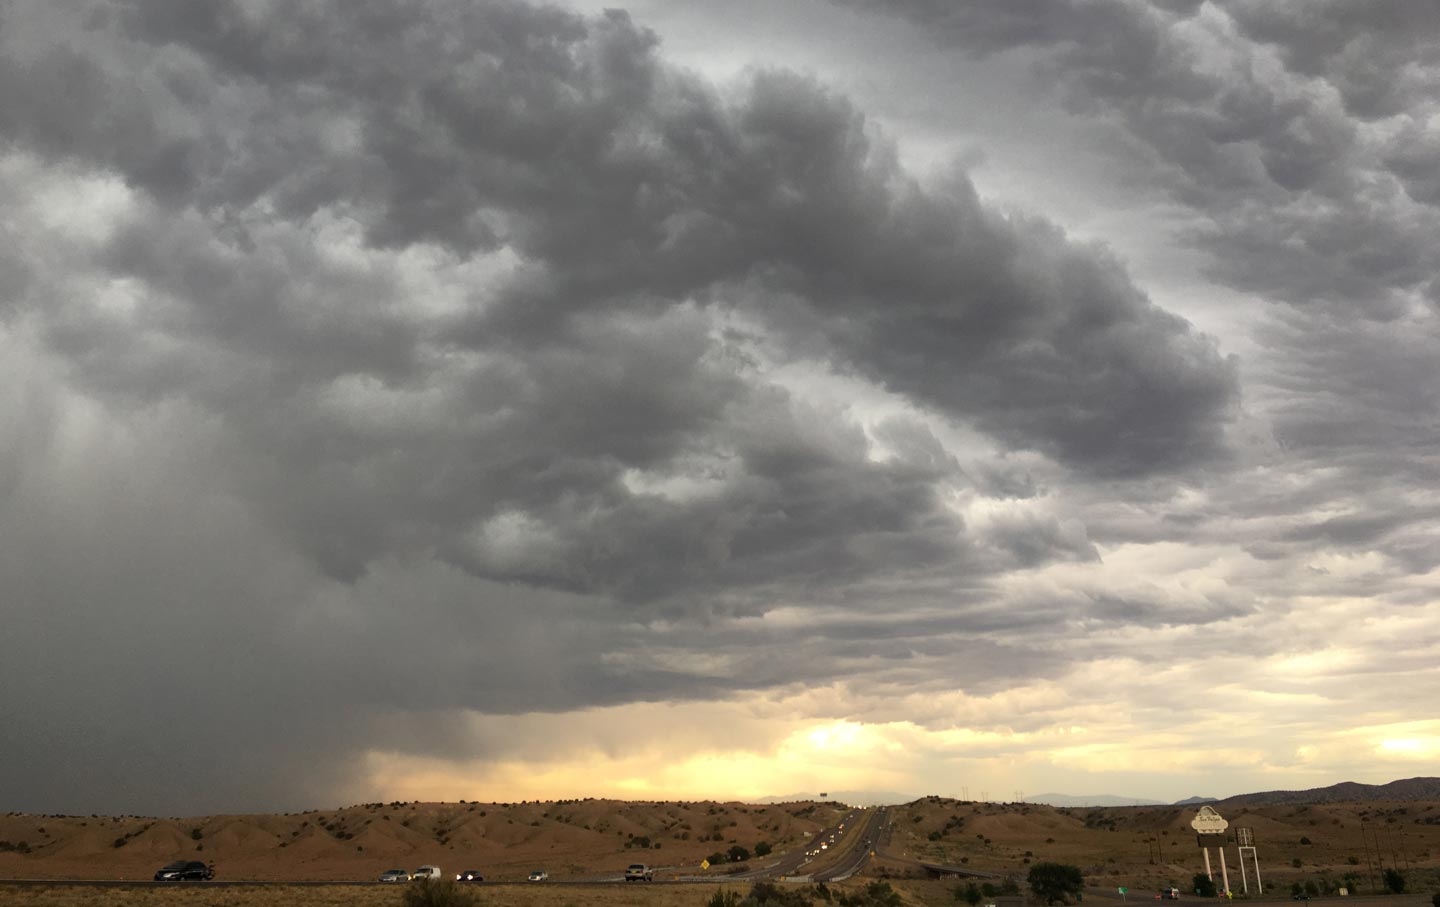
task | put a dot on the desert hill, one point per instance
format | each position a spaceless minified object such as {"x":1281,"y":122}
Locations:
{"x":1345,"y":792}
{"x":1145,"y":847}
{"x":1322,"y":840}
{"x":571,"y":838}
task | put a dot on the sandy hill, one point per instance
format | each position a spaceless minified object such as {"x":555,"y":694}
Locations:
{"x":572,"y":838}
{"x":1345,"y":792}
{"x":1136,"y":846}
{"x":1151,"y":846}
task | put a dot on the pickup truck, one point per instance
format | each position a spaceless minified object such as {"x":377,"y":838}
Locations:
{"x":639,"y":872}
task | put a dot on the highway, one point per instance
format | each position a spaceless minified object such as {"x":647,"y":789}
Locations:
{"x":834,"y":853}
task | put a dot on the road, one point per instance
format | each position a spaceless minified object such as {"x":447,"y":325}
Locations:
{"x":834,"y":853}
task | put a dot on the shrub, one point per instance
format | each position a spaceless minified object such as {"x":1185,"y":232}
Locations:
{"x":716,"y":858}
{"x":1203,"y":885}
{"x":436,"y":893}
{"x":723,"y":898}
{"x":1394,"y":880}
{"x":768,"y":894}
{"x":762,"y":849}
{"x":1055,"y":882}
{"x":738,"y":854}
{"x":876,"y":894}
{"x":1304,"y":840}
{"x":970,"y":894}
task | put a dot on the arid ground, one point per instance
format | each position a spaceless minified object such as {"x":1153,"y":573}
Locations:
{"x":1140,"y":848}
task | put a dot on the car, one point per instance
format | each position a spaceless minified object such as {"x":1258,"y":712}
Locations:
{"x":639,"y":872}
{"x":1169,"y":894}
{"x":539,"y":875}
{"x":469,"y":875}
{"x":394,"y":875}
{"x":427,"y":872}
{"x":185,"y":871}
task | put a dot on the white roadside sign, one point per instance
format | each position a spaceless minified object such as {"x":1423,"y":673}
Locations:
{"x":1208,"y":822}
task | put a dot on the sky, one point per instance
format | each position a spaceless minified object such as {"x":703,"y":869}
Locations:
{"x":478,"y":399}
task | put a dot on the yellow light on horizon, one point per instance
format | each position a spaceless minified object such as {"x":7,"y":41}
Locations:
{"x":1410,"y":747}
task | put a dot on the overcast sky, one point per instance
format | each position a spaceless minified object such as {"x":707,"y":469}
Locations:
{"x":477,"y":399}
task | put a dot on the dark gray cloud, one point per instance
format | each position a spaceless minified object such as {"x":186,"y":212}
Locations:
{"x":432,"y":357}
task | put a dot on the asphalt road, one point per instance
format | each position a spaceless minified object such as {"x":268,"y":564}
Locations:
{"x":848,"y":845}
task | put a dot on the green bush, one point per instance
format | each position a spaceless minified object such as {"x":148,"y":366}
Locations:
{"x":762,"y":849}
{"x":1394,"y":881}
{"x":970,"y":894}
{"x":436,"y":893}
{"x":1056,"y":883}
{"x":1204,"y":885}
{"x":768,"y":894}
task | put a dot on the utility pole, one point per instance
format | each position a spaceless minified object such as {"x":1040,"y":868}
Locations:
{"x":1369,"y":863}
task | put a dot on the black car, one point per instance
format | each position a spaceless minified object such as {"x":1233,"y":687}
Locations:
{"x":469,"y":875}
{"x":185,"y":871}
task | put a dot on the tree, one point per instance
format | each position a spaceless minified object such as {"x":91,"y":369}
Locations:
{"x":1394,"y":880}
{"x":762,"y":849}
{"x":1056,"y":883}
{"x":738,"y":854}
{"x":716,"y":858}
{"x":1204,"y":885}
{"x":970,"y":894}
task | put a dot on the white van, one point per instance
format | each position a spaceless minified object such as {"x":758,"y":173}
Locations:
{"x":426,"y":872}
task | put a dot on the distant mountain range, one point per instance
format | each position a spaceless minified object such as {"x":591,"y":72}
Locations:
{"x":1344,"y":792}
{"x":850,"y":797}
{"x":1092,"y":800}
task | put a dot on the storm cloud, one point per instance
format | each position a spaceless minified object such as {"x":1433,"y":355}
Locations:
{"x":367,"y":364}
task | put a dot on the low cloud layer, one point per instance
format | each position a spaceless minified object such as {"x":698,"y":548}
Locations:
{"x":370,"y":374}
